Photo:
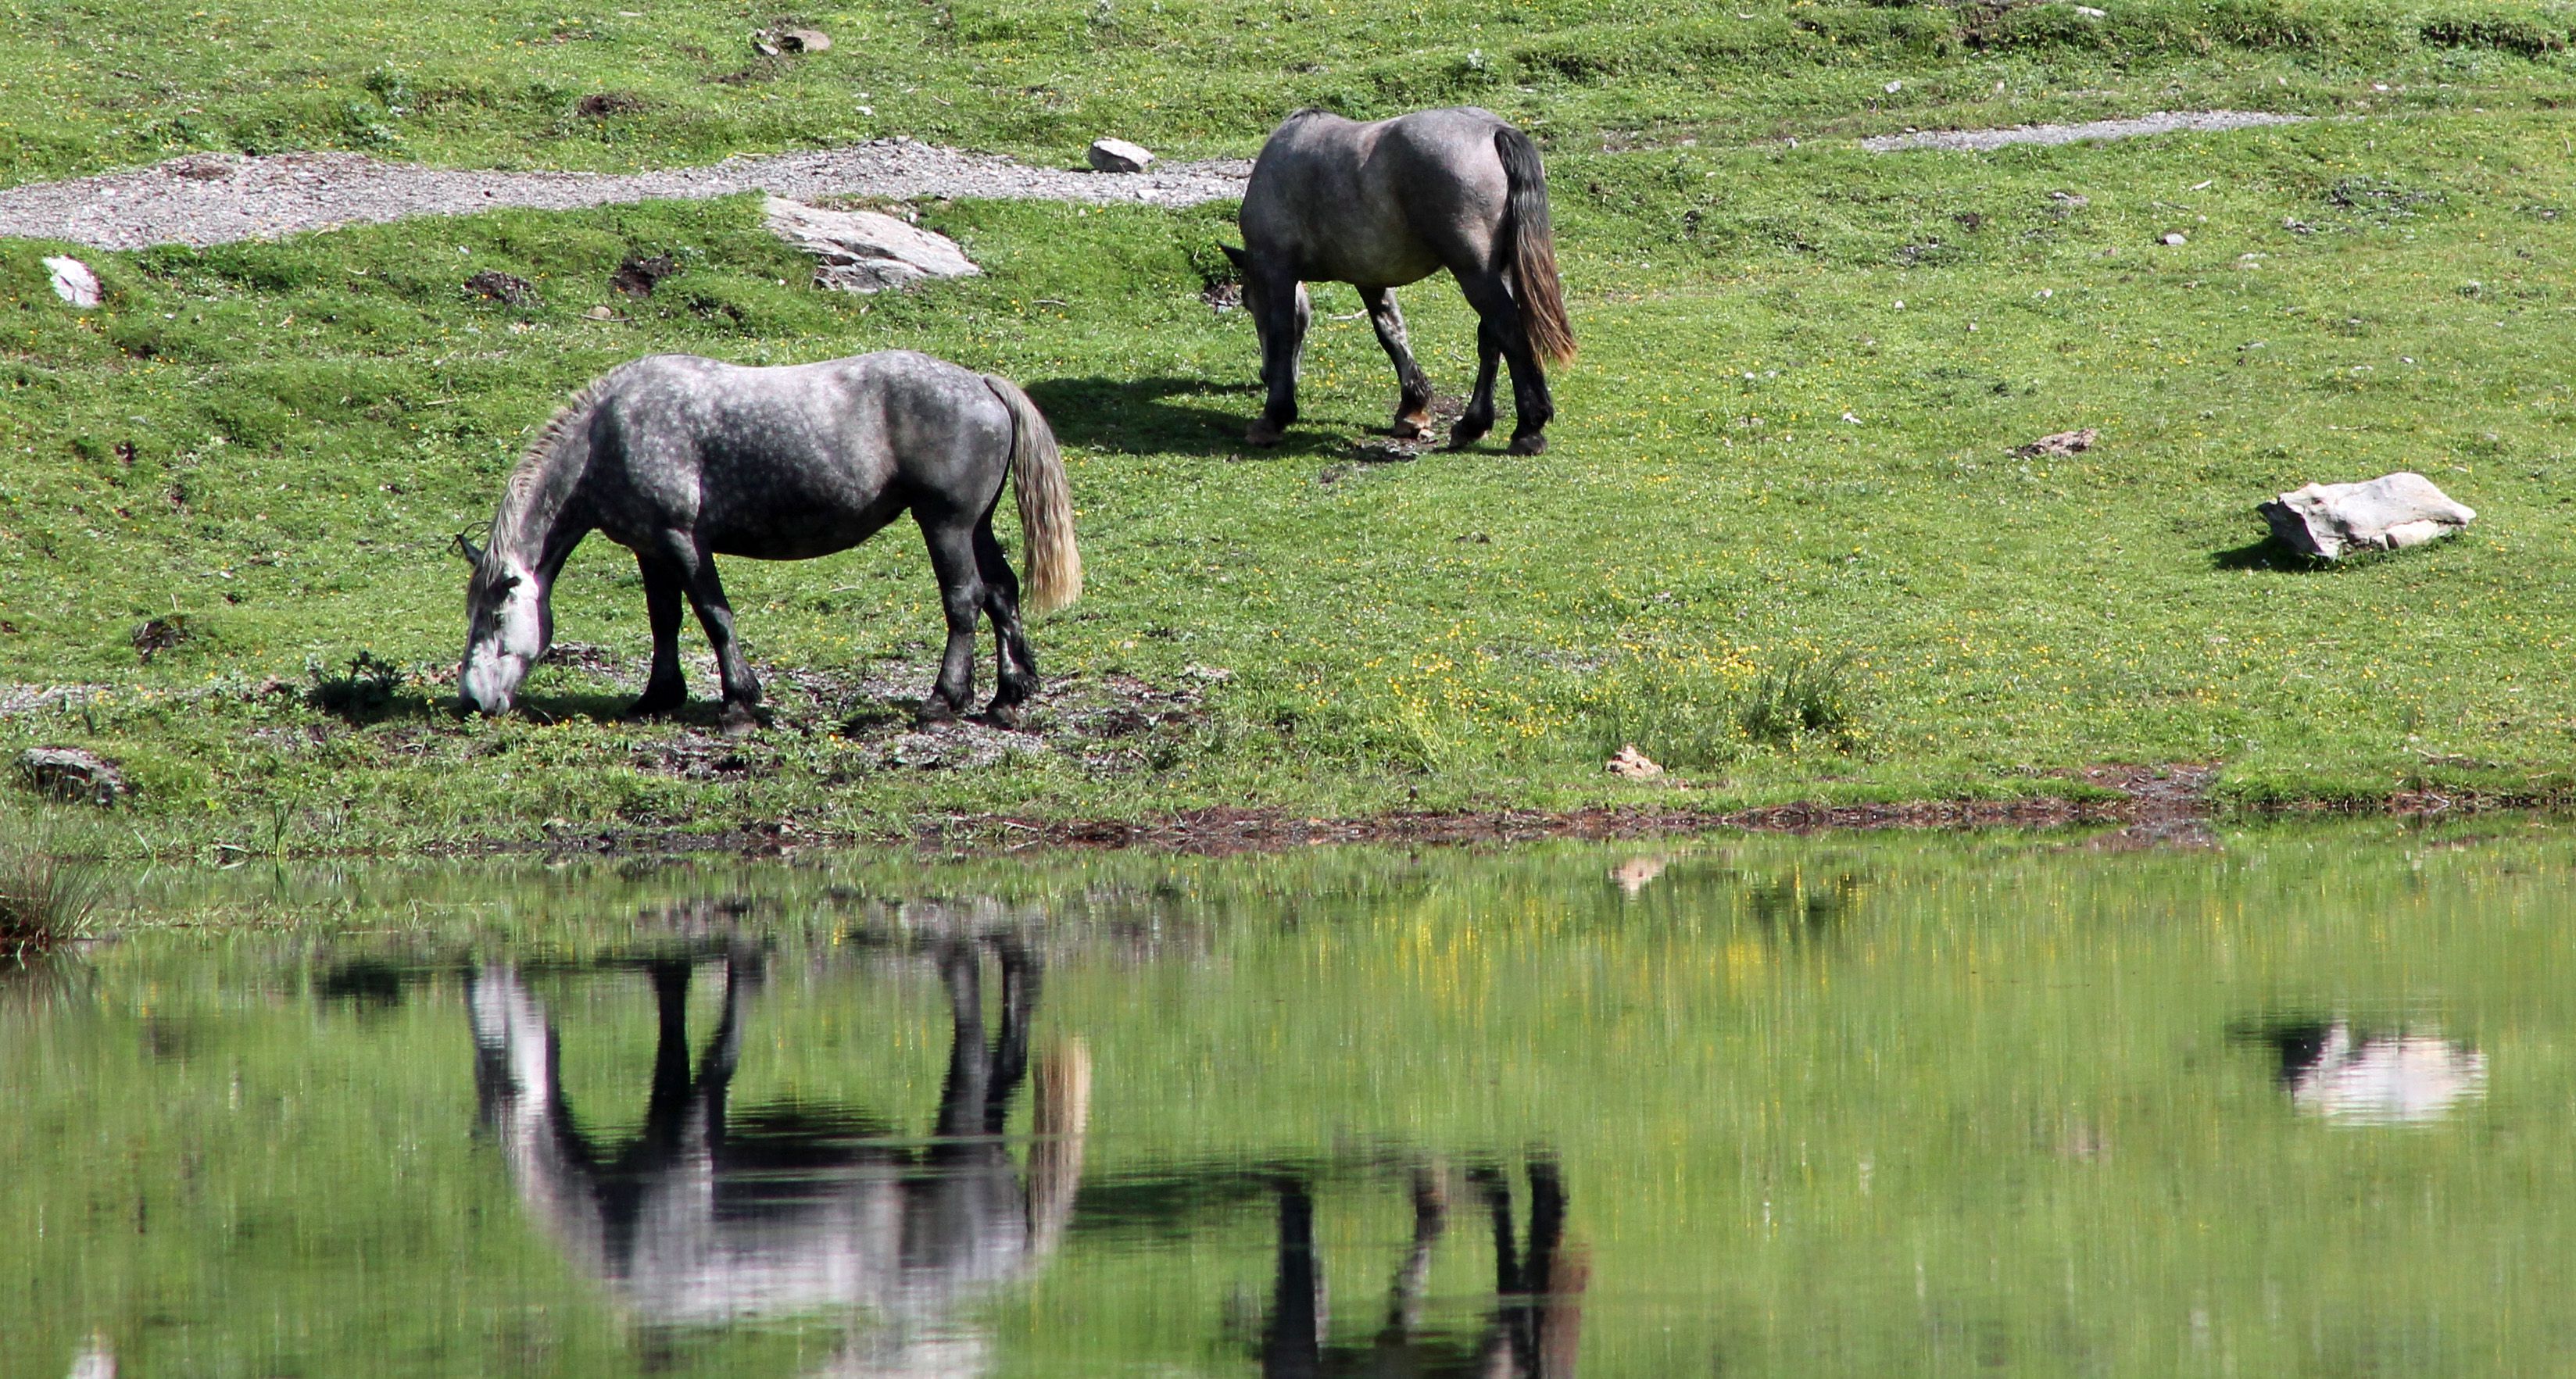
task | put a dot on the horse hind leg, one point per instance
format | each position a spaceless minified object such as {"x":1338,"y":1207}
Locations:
{"x":1413,"y":403}
{"x":1017,"y":680}
{"x":1478,"y":419}
{"x":665,"y":689}
{"x":1499,"y":331}
{"x":961,"y":598}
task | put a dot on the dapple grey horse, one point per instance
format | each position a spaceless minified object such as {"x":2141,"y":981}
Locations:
{"x":1385,"y":204}
{"x":713,"y":1212}
{"x":682,"y":459}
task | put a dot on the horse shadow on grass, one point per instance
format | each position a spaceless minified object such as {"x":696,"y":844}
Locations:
{"x":1143,"y":416}
{"x":1164,"y":416}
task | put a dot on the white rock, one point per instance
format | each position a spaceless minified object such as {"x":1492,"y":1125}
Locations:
{"x":1117,"y":155}
{"x":1633,"y":764}
{"x":2402,"y":1079}
{"x":73,"y":282}
{"x":2388,"y":513}
{"x":864,"y":251}
{"x":2176,"y":238}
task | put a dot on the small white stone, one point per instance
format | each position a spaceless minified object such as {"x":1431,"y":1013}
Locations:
{"x":73,"y":282}
{"x":1895,"y":86}
{"x":2175,"y":238}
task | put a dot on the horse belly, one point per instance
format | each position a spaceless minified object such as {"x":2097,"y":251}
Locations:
{"x":801,"y":527}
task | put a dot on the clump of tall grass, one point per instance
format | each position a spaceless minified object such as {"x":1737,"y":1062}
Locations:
{"x":45,"y":901}
{"x":1701,"y":718}
{"x":1804,"y":698}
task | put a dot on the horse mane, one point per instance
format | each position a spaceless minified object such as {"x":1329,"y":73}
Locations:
{"x":518,"y":499}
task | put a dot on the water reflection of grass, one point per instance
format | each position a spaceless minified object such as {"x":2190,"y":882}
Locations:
{"x":1863,"y":1106}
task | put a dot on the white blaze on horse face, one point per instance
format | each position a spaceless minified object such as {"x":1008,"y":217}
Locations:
{"x":505,"y":634}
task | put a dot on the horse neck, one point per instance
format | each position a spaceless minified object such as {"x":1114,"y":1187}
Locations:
{"x":539,"y":521}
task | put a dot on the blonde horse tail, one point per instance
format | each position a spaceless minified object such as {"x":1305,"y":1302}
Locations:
{"x":1046,"y":505}
{"x":1533,"y":250}
{"x":1063,"y":1114}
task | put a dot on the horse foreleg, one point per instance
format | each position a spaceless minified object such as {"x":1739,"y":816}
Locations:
{"x":1502,"y":332}
{"x":664,"y":689}
{"x":707,"y":596}
{"x":1018,"y":671}
{"x":1282,"y":318}
{"x":1413,"y":405}
{"x":961,"y":597}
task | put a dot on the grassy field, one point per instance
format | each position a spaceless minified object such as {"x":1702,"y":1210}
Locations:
{"x":1782,"y":451}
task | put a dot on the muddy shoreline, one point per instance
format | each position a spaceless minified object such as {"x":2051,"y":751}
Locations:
{"x":2141,"y":808}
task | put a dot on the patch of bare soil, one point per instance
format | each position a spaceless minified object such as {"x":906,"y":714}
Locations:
{"x":2154,"y":122}
{"x":205,"y":198}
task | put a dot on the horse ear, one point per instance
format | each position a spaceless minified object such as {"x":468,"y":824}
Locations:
{"x":1233,"y":254}
{"x":473,"y":554}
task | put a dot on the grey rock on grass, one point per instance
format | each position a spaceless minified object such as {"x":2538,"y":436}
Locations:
{"x":865,"y":251}
{"x":73,"y":282}
{"x":2387,"y":513}
{"x":1117,"y":155}
{"x":68,"y":773}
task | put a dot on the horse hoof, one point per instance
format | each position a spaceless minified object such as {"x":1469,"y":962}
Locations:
{"x":1002,"y":715}
{"x":934,"y":711}
{"x":742,"y":719}
{"x":1531,"y":444}
{"x":1410,"y":428}
{"x":651,"y":707}
{"x":1263,"y":433}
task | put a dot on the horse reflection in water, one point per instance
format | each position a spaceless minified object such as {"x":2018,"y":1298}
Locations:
{"x":700,"y":1221}
{"x":1533,"y":1332}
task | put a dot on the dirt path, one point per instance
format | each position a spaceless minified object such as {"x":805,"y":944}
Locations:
{"x":209,"y":198}
{"x":2156,"y":122}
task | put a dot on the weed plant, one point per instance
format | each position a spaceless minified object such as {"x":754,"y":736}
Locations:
{"x":45,"y":900}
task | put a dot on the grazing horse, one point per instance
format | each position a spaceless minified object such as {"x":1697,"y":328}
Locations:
{"x":682,"y":459}
{"x":1389,"y":203}
{"x":714,"y":1212}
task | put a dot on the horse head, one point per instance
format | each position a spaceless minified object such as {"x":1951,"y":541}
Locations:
{"x":509,"y":622}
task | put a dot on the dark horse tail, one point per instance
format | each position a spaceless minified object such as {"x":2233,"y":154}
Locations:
{"x":1046,"y":505}
{"x":1533,"y":250}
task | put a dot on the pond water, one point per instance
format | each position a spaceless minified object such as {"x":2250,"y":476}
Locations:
{"x":2299,"y":1102}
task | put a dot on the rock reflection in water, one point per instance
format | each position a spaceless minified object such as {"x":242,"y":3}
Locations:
{"x":1534,"y":1331}
{"x":706,"y":1218}
{"x":2403,"y":1078}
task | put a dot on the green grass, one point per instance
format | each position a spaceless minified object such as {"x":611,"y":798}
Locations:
{"x":275,"y":442}
{"x":92,"y":83}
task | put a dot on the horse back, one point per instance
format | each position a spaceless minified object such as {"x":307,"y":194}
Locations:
{"x":793,"y":461}
{"x":1379,"y":204}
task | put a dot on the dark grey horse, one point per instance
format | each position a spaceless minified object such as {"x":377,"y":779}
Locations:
{"x":1534,"y":1331}
{"x":1385,"y":204}
{"x":682,"y":459}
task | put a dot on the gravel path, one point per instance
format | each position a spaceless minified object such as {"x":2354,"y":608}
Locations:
{"x":209,"y":198}
{"x":2158,"y":122}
